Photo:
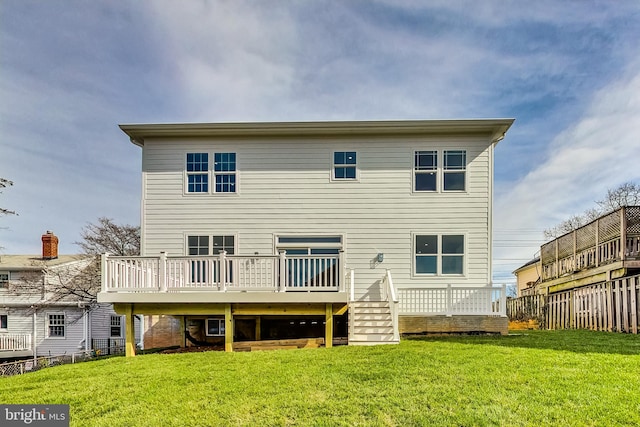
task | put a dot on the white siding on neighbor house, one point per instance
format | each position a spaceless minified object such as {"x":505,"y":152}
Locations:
{"x":19,"y":320}
{"x":73,"y":340}
{"x":101,"y":322}
{"x":284,"y":187}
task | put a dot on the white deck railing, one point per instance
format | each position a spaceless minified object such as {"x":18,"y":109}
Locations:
{"x":15,"y":342}
{"x":275,"y":273}
{"x":454,"y":300}
{"x":392,"y":297}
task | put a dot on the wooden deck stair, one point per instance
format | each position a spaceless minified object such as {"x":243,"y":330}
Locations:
{"x":372,"y":323}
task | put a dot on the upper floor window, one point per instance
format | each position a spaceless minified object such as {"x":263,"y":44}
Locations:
{"x":455,"y":166}
{"x":439,"y":254}
{"x":116,"y":326}
{"x":197,"y":172}
{"x":427,"y":175}
{"x":56,"y":326}
{"x":426,"y":171}
{"x":225,"y":172}
{"x":4,"y":280}
{"x":4,"y":321}
{"x":344,"y":165}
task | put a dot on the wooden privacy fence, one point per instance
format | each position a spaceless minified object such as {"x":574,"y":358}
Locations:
{"x":609,"y":306}
{"x":528,"y":307}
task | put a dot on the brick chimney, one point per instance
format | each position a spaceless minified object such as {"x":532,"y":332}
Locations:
{"x":49,"y":245}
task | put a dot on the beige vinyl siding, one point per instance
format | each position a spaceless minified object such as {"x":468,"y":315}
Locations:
{"x":285,"y":187}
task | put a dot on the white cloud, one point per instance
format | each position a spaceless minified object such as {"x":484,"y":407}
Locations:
{"x":600,"y":151}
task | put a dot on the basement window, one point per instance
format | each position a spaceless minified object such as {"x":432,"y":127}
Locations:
{"x":215,"y":327}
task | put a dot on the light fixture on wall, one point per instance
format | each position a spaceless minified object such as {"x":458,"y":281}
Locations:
{"x":380,"y":257}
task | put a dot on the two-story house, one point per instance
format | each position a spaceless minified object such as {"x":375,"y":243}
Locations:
{"x":35,"y":320}
{"x":364,"y":230}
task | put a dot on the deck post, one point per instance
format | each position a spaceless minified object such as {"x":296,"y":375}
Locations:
{"x":283,"y":271}
{"x":258,"y":328}
{"x":448,"y":311}
{"x":328,"y":330}
{"x":103,"y":265}
{"x":162,"y":272}
{"x":228,"y":328}
{"x":623,"y":234}
{"x":130,"y":339}
{"x":597,"y":242}
{"x":223,"y":270}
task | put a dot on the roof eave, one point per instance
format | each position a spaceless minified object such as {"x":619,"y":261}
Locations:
{"x":495,"y":128}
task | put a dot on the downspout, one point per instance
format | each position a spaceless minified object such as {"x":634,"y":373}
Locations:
{"x":34,"y":344}
{"x":85,"y":324}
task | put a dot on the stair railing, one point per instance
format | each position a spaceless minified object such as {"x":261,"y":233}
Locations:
{"x":392,"y":297}
{"x":352,"y":297}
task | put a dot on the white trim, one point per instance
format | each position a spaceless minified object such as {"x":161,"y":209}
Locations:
{"x":48,"y":315}
{"x":210,"y":236}
{"x":210,"y":173}
{"x":440,"y":171}
{"x":329,"y":245}
{"x":333,"y":166}
{"x":111,"y":325}
{"x":221,"y":326}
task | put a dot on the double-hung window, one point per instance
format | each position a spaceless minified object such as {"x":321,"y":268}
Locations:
{"x":197,"y":172}
{"x":225,"y":172}
{"x":439,"y":254}
{"x":4,"y":280}
{"x":4,"y":321}
{"x":56,"y":326}
{"x":431,"y":176}
{"x":426,"y":171}
{"x":454,"y":170}
{"x":116,"y":326}
{"x":344,"y":165}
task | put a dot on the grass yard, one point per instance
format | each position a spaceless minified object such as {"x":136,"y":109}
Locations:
{"x":536,"y":378}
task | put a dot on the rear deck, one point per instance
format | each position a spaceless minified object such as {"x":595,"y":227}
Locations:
{"x":605,"y":249}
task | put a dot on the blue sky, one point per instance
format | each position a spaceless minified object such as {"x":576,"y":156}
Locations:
{"x":70,"y":71}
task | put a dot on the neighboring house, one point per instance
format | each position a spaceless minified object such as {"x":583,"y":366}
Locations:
{"x":35,"y":323}
{"x":363,"y":230}
{"x":528,"y":277}
{"x":607,"y":248}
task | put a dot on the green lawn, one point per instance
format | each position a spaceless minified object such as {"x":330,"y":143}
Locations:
{"x":534,"y":378}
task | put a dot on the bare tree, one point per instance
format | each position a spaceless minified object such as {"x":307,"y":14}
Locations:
{"x":80,"y":279}
{"x":627,"y":194}
{"x":4,"y":183}
{"x":106,"y":236}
